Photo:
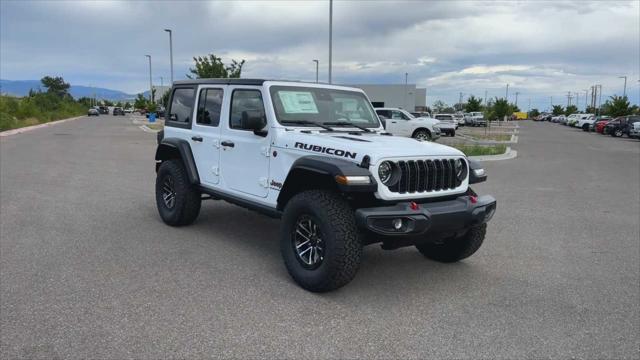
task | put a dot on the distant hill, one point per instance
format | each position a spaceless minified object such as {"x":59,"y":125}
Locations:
{"x":22,"y":87}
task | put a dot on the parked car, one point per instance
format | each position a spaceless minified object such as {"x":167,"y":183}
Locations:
{"x":477,"y":119}
{"x":128,"y":111}
{"x":634,"y":130}
{"x":600,"y":125}
{"x":401,"y":123}
{"x":118,"y":111}
{"x":93,"y":112}
{"x":585,"y":121}
{"x":621,"y":125}
{"x":572,"y":119}
{"x":419,"y":114}
{"x":103,"y":110}
{"x":447,"y":123}
{"x":599,"y":118}
{"x":558,"y":118}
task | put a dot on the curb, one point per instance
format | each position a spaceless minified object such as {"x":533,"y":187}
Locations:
{"x":39,"y":126}
{"x":145,"y":128}
{"x":509,"y":154}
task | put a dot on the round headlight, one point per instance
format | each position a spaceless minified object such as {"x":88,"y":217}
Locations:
{"x":385,"y":172}
{"x":460,"y":169}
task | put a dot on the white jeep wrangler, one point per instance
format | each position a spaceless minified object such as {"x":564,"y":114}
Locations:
{"x":317,"y":157}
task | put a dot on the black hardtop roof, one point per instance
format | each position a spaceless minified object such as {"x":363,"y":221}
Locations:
{"x":235,"y":81}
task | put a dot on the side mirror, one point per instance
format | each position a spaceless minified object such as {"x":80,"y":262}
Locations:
{"x":254,"y":120}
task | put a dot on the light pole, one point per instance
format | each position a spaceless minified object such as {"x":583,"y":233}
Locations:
{"x":150,"y":80}
{"x":624,"y":91}
{"x":317,"y":63}
{"x":517,"y":93}
{"x":170,"y":52}
{"x":406,"y":77}
{"x":485,"y":97}
{"x":599,"y":98}
{"x":161,"y":83}
{"x":507,"y":94}
{"x":330,"y":36}
{"x":586,"y":92}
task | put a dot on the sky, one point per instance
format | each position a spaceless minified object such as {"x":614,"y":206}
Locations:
{"x":542,"y":49}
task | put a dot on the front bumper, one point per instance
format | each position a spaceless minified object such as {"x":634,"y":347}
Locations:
{"x":432,"y":218}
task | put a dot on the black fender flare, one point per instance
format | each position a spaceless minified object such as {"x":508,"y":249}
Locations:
{"x":172,"y":148}
{"x":323,"y":169}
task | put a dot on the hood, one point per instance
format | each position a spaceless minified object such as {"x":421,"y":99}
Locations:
{"x":354,"y":147}
{"x":428,"y":120}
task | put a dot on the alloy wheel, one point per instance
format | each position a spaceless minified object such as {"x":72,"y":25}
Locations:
{"x":168,"y":192}
{"x":307,"y":242}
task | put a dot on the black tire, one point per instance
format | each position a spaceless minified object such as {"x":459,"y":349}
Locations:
{"x":341,"y":246}
{"x":585,"y":127}
{"x":422,"y":134}
{"x":452,"y":133}
{"x":455,"y":249}
{"x":617,"y":133}
{"x":185,"y":207}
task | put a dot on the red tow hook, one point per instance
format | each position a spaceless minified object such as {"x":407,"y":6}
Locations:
{"x":414,"y":205}
{"x":473,"y":198}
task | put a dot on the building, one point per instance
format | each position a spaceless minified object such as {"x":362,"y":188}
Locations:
{"x":402,"y":96}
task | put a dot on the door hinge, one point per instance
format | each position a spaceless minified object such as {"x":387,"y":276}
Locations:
{"x":264,"y":151}
{"x":263,"y":182}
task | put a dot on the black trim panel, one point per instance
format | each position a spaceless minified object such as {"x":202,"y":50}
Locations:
{"x":247,"y":204}
{"x":184,"y":149}
{"x":473,"y":179}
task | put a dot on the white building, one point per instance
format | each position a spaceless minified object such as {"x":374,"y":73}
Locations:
{"x":402,"y":96}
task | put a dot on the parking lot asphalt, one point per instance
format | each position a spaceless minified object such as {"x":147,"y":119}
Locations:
{"x":88,"y":269}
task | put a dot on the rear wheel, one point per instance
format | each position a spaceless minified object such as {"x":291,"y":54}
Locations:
{"x":616,"y":133}
{"x":177,"y":200}
{"x":585,"y":127}
{"x":319,"y":241}
{"x":455,"y":249}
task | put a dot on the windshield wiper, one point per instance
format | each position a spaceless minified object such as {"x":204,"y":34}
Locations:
{"x":306,"y":122}
{"x":346,"y":123}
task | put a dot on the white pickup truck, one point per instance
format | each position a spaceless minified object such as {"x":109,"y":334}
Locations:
{"x":400,"y":122}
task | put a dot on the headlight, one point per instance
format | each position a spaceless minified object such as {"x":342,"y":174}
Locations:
{"x":385,"y":172}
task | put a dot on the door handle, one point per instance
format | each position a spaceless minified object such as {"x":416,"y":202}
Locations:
{"x":227,"y":143}
{"x":196,"y":138}
{"x":394,"y":122}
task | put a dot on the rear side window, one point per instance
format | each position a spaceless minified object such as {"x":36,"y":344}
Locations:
{"x":385,"y":113}
{"x":181,"y":105}
{"x":209,"y":106}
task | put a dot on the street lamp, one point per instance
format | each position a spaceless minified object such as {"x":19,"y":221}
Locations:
{"x":317,"y":63}
{"x":170,"y":52}
{"x":330,"y":36}
{"x":624,"y":92}
{"x":150,"y":80}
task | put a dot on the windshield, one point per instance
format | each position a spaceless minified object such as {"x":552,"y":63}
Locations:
{"x":309,"y":106}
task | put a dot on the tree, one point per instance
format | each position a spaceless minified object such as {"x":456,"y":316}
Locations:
{"x":85,"y":101}
{"x":439,"y":106}
{"x":127,"y":105}
{"x":473,"y":104}
{"x":56,"y":85}
{"x":165,"y":99}
{"x":501,"y":108}
{"x":140,"y":102}
{"x":591,"y":110}
{"x":533,"y":113}
{"x":212,"y":66}
{"x":558,"y":110}
{"x":616,"y":106}
{"x":119,"y":104}
{"x":107,"y":103}
{"x":571,"y":109}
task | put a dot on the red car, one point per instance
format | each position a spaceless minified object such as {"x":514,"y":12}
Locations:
{"x":601,"y":124}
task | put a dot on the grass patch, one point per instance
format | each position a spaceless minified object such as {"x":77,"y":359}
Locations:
{"x":37,"y":109}
{"x":493,"y":137}
{"x":155,"y":126}
{"x":479,"y":150}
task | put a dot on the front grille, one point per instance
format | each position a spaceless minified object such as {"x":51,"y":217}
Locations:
{"x":426,"y":175}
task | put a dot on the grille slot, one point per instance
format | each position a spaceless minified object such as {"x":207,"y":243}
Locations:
{"x":426,"y":176}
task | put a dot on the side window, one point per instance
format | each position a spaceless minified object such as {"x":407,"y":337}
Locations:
{"x":397,"y":115}
{"x":209,"y":106}
{"x":385,"y":113}
{"x":246,"y":106}
{"x":181,"y":105}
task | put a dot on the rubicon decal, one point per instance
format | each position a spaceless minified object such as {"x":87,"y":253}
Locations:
{"x":326,"y":150}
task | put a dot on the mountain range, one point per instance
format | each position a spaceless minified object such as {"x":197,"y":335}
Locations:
{"x":22,"y":87}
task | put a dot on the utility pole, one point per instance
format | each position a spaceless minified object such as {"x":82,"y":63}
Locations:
{"x":150,"y":80}
{"x":568,"y":98}
{"x":586,"y":91}
{"x":485,"y":97}
{"x":507,"y":94}
{"x":161,"y":83}
{"x":600,"y":99}
{"x":170,"y":52}
{"x":330,"y":36}
{"x":529,"y":105}
{"x":317,"y":63}
{"x":551,"y":103}
{"x":406,"y":77}
{"x":517,"y":93}
{"x":624,"y":92}
{"x":577,"y":101}
{"x":460,"y":101}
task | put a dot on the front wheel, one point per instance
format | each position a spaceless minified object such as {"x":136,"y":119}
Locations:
{"x":421,"y":135}
{"x":455,"y":249}
{"x":616,"y":133}
{"x":585,"y":127}
{"x":319,"y":240}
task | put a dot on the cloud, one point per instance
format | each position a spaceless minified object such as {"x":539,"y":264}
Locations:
{"x":541,"y":48}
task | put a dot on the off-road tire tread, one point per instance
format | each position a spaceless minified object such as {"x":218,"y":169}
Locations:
{"x":346,"y":260}
{"x":457,"y":249}
{"x":188,"y":198}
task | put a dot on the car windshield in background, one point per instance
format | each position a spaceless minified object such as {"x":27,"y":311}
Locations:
{"x":308,"y":106}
